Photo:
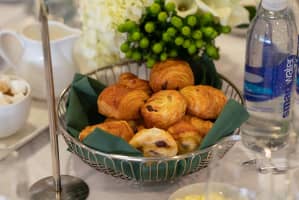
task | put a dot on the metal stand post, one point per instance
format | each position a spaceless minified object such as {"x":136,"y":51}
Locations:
{"x":57,"y":186}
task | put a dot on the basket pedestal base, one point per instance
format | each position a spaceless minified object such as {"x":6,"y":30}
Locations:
{"x":71,"y":188}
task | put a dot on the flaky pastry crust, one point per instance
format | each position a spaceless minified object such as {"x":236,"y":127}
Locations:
{"x":171,"y":75}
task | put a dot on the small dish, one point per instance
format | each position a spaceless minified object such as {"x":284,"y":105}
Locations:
{"x":36,"y":123}
{"x":15,"y":110}
{"x":226,"y":191}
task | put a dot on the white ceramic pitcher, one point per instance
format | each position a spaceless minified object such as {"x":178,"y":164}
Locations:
{"x":23,"y":51}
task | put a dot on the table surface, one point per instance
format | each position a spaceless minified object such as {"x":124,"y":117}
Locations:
{"x":36,"y":155}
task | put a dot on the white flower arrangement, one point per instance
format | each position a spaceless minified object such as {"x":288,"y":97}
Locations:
{"x":100,"y":40}
{"x":230,"y":12}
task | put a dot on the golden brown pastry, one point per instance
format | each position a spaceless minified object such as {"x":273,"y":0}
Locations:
{"x":132,"y":81}
{"x":154,"y":142}
{"x":134,"y":124}
{"x":119,"y":102}
{"x":189,"y":132}
{"x":163,"y":109}
{"x":118,"y":128}
{"x":204,"y":101}
{"x":201,"y":126}
{"x":171,"y":75}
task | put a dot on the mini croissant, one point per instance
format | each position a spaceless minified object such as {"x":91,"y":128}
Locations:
{"x":119,"y":102}
{"x":163,"y":109}
{"x":133,"y":82}
{"x":171,"y":75}
{"x":189,"y":132}
{"x":118,"y":128}
{"x":204,"y":101}
{"x":154,"y":142}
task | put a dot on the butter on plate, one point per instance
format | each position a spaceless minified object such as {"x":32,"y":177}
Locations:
{"x":202,"y":197}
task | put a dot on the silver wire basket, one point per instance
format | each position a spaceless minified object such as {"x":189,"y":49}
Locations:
{"x":140,"y":169}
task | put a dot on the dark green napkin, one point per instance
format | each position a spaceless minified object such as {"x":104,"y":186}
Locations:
{"x":104,"y":141}
{"x":204,"y":71}
{"x":231,"y":118}
{"x":82,"y":104}
{"x":82,"y":111}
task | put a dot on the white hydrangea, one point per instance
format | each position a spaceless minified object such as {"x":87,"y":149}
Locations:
{"x":100,"y":40}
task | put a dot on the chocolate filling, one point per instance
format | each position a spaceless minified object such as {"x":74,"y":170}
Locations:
{"x":161,"y":144}
{"x":150,"y":108}
{"x":164,"y":86}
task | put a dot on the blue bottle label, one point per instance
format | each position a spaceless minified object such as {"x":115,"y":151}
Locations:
{"x":266,"y":83}
{"x":297,"y":82}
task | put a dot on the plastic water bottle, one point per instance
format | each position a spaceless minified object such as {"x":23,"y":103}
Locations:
{"x":296,"y":109}
{"x":269,"y":76}
{"x":295,"y":9}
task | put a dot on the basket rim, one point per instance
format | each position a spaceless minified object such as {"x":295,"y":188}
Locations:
{"x":234,"y":136}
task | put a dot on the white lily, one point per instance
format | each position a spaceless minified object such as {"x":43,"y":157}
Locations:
{"x":230,"y":12}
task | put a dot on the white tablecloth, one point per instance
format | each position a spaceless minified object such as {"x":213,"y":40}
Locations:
{"x":35,"y":157}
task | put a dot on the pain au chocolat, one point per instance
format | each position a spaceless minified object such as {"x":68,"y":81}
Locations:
{"x":154,"y":142}
{"x":204,"y":101}
{"x":118,"y":128}
{"x":171,"y":75}
{"x":188,"y":132}
{"x":131,"y":81}
{"x":163,"y":109}
{"x":119,"y":102}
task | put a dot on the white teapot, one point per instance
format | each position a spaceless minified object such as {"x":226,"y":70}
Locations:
{"x":23,"y":51}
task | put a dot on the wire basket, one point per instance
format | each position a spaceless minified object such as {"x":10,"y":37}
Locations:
{"x":140,"y":169}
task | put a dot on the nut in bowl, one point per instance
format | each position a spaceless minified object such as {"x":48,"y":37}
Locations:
{"x":15,"y":101}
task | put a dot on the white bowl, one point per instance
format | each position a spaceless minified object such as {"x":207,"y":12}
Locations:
{"x":14,"y":116}
{"x":225,"y":190}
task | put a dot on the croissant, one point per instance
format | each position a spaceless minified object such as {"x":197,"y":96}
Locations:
{"x":171,"y":75}
{"x":133,"y":82}
{"x":119,"y":102}
{"x":188,"y":132}
{"x":136,"y":125}
{"x":163,"y":109}
{"x":118,"y":128}
{"x":203,"y":101}
{"x":154,"y":142}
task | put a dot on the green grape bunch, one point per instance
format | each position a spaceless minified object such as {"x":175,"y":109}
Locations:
{"x":161,"y":34}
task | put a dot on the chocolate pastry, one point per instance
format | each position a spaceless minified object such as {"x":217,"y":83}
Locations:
{"x":154,"y":142}
{"x":163,"y":109}
{"x":171,"y":75}
{"x":133,"y":82}
{"x":189,"y":132}
{"x":119,"y":102}
{"x":204,"y":101}
{"x":118,"y":128}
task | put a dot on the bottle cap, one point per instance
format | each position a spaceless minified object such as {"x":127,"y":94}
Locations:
{"x":274,"y":5}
